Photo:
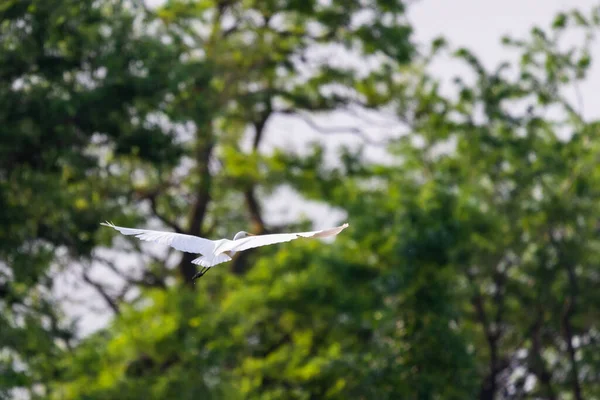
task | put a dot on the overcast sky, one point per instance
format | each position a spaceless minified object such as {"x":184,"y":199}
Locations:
{"x":475,"y":24}
{"x":479,"y":25}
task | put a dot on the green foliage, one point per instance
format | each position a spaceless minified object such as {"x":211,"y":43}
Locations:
{"x":468,"y":269}
{"x":67,"y":90}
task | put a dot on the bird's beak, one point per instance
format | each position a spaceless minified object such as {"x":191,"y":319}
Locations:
{"x":249,"y":234}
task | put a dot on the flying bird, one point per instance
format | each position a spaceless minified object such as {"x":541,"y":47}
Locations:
{"x":214,"y":252}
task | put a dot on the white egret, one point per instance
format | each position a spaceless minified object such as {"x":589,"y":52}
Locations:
{"x":215,"y":252}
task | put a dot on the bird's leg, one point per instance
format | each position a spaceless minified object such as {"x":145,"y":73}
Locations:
{"x":200,"y":273}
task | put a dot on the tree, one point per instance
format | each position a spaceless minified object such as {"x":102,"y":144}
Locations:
{"x":260,"y":57}
{"x":76,"y":78}
{"x":485,"y":229}
{"x":469,"y":267}
{"x":502,"y":193}
{"x":117,"y":111}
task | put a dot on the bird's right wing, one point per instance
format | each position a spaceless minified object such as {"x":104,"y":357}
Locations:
{"x":179,"y":241}
{"x":264,"y":240}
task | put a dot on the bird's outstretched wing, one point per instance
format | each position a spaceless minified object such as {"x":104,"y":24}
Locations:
{"x":264,"y":240}
{"x":179,"y":241}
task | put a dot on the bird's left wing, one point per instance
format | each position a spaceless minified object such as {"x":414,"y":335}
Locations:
{"x":179,"y":241}
{"x":264,"y":240}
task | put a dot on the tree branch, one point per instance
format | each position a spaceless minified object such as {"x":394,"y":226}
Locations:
{"x":538,"y":366}
{"x":489,"y":386}
{"x":568,"y":332}
{"x":101,"y":290}
{"x":255,"y":212}
{"x":203,"y":154}
{"x":172,"y":224}
{"x":239,"y":264}
{"x":151,"y":195}
{"x":251,"y":201}
{"x":340,"y":130}
{"x":500,"y":283}
{"x":569,"y":311}
{"x":149,"y":278}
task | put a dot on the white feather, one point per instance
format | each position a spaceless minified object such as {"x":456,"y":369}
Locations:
{"x":179,"y":241}
{"x":218,"y":251}
{"x":264,"y":240}
{"x":211,"y":262}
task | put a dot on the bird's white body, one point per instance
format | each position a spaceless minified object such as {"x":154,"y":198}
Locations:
{"x":214,"y":252}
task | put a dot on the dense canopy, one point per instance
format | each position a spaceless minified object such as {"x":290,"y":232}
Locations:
{"x":470,"y":267}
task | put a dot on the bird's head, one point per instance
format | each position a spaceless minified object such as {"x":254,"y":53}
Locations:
{"x":241,"y":235}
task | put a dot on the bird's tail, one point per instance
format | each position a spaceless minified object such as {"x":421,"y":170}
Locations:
{"x":211,"y":261}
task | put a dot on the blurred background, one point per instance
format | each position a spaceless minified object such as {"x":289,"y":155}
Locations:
{"x":459,"y":139}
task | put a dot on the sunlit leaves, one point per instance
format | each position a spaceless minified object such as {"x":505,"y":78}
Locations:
{"x":78,"y":81}
{"x":465,"y":252}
